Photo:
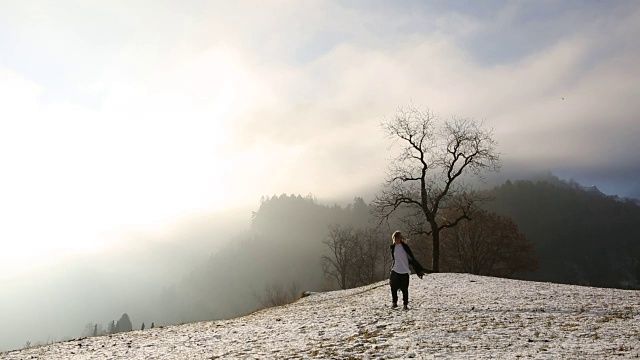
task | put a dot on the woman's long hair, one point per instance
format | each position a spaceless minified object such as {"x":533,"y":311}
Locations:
{"x":397,"y":233}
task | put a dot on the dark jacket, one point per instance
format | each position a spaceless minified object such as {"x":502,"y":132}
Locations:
{"x":420,"y":271}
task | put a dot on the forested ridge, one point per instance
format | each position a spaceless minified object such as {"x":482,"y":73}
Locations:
{"x":580,"y":237}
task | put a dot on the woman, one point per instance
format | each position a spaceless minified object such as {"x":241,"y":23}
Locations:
{"x":399,"y":277}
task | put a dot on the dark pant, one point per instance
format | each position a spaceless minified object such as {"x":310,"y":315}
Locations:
{"x":399,"y":282}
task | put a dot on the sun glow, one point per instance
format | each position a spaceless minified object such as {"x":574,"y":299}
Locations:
{"x":147,"y":157}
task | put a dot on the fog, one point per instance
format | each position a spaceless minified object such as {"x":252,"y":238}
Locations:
{"x":128,"y":132}
{"x":54,"y":302}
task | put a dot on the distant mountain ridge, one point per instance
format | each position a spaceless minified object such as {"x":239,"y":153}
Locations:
{"x":594,"y":190}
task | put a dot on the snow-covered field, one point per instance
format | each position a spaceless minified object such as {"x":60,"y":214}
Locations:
{"x":455,"y":316}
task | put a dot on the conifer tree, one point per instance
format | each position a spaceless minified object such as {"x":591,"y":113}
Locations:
{"x":124,"y":324}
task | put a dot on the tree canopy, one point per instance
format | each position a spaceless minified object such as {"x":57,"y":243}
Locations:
{"x":426,"y":177}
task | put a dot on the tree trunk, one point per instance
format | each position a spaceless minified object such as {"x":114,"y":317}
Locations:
{"x":435,"y":262}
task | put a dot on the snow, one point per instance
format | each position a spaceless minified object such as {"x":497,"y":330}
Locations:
{"x":450,"y":316}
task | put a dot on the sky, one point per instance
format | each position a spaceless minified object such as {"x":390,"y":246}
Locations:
{"x":117,"y":116}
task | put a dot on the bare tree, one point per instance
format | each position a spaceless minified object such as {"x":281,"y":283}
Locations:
{"x":294,"y":290}
{"x":490,"y":244}
{"x":357,"y":256}
{"x":386,"y":259}
{"x":371,"y":255}
{"x":339,"y":263}
{"x":275,"y":294}
{"x":426,"y":177}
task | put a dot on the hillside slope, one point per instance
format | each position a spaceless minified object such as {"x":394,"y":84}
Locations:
{"x":450,"y":316}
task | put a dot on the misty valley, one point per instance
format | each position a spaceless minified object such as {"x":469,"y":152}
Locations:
{"x":568,"y":234}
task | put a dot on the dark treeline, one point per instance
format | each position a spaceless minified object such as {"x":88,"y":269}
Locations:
{"x":580,"y":235}
{"x":575,"y":236}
